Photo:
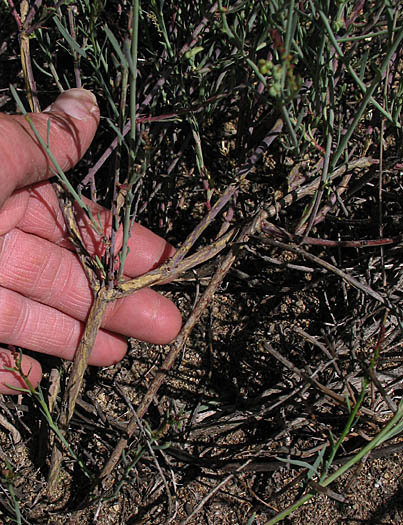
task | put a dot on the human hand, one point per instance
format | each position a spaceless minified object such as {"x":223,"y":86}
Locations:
{"x":44,"y":294}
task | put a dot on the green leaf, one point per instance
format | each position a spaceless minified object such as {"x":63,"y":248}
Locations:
{"x":300,"y":463}
{"x":72,"y":43}
{"x":193,"y":52}
{"x":118,"y":50}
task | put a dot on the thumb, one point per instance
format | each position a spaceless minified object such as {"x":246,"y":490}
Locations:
{"x":68,"y":125}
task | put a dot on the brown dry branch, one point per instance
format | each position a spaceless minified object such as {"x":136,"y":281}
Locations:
{"x":326,"y":208}
{"x":148,"y":440}
{"x":218,"y":487}
{"x":23,"y":22}
{"x":310,"y":188}
{"x":103,"y":295}
{"x":330,"y":267}
{"x":75,"y":381}
{"x":67,"y":207}
{"x":269,"y":464}
{"x":14,"y":432}
{"x":339,"y":399}
{"x":314,"y":341}
{"x":282,"y":234}
{"x":391,"y":404}
{"x":180,"y":342}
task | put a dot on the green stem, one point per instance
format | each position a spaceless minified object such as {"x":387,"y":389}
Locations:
{"x":133,"y":77}
{"x":347,"y":428}
{"x":128,"y":220}
{"x":368,"y":92}
{"x":386,"y":433}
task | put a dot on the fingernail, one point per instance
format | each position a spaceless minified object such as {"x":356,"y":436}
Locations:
{"x":77,"y":102}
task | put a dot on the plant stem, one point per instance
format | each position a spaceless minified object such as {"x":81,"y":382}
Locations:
{"x":76,"y":379}
{"x":387,"y":432}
